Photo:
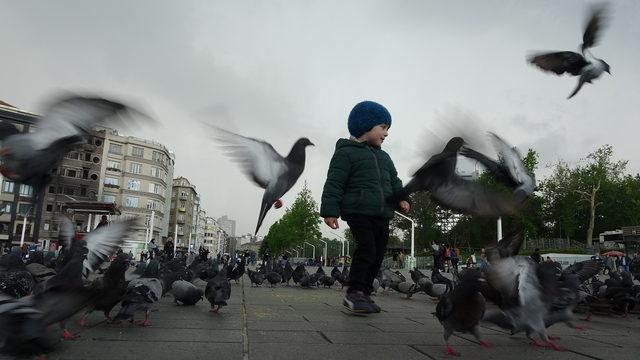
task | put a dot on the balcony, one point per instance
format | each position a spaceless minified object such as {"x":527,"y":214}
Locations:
{"x":182,"y":209}
{"x":184,"y":197}
{"x":180,"y":221}
{"x":113,"y":169}
{"x":114,"y":186}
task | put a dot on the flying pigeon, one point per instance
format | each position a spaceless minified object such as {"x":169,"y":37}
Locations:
{"x":510,"y":172}
{"x":29,"y":157}
{"x":265,"y":167}
{"x":574,"y":63}
{"x":449,"y":190}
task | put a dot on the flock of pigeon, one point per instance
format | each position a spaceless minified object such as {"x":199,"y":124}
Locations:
{"x":529,"y":297}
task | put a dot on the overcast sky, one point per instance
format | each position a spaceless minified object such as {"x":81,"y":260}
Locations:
{"x":279,"y":70}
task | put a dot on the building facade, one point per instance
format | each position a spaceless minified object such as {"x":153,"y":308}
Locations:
{"x":137,"y":175}
{"x":184,"y":211}
{"x":228,"y":225}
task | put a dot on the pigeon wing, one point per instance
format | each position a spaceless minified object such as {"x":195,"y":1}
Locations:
{"x":473,"y":198}
{"x":585,"y":269}
{"x":257,"y":158}
{"x":597,"y":22}
{"x":73,"y":117}
{"x":513,"y":162}
{"x":102,"y":243}
{"x":559,"y":62}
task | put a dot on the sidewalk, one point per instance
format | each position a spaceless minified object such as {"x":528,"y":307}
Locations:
{"x":285,"y":323}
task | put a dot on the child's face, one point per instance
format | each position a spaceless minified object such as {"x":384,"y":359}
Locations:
{"x":376,"y":136}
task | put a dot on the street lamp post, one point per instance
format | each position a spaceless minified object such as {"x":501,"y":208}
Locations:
{"x":314,"y":250}
{"x":499,"y":225}
{"x":325,"y":251}
{"x":343,"y":241}
{"x":413,"y":231}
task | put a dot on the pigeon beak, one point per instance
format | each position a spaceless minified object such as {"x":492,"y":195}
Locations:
{"x":312,"y":144}
{"x":608,"y":72}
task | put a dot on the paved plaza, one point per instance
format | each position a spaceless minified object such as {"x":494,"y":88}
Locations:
{"x":293,"y":323}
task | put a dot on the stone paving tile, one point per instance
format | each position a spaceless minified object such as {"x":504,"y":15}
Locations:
{"x":334,"y":352}
{"x":497,"y":353}
{"x":286,"y":337}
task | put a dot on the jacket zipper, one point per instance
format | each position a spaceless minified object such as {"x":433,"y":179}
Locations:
{"x":375,"y":160}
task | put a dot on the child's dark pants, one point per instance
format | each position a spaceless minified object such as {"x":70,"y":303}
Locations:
{"x":371,"y":235}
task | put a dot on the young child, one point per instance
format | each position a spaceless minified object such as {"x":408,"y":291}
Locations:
{"x":361,"y":176}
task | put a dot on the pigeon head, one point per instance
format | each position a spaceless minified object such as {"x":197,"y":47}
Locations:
{"x":454,"y":144}
{"x":304,"y":142}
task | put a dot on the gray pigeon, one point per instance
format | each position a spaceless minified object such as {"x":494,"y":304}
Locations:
{"x":406,"y":288}
{"x":577,"y":64}
{"x":218,"y":290}
{"x":186,"y":293}
{"x":265,"y":167}
{"x":141,"y":294}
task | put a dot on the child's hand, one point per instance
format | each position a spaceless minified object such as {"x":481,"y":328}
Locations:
{"x":404,"y":206}
{"x":332,"y":222}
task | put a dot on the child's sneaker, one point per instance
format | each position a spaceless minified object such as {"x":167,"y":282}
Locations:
{"x":374,"y":306}
{"x":357,"y":302}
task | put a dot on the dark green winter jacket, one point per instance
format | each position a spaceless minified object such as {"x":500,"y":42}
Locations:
{"x":360,"y":177}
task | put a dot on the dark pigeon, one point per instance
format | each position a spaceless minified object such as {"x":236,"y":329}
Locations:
{"x":15,"y":278}
{"x":255,"y":277}
{"x":298,"y":273}
{"x":273,"y":278}
{"x":112,"y":287}
{"x":142,"y":293}
{"x":218,"y":290}
{"x":287,"y":273}
{"x":462,"y":309}
{"x":569,"y":62}
{"x":265,"y":167}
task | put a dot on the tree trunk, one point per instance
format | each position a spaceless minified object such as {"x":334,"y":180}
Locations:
{"x":592,"y":215}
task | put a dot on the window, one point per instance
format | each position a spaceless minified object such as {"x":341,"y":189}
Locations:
{"x":158,"y":157}
{"x":83,"y":191}
{"x":85,"y":174}
{"x":71,"y":173}
{"x":87,"y":156}
{"x":134,"y":185}
{"x":68,"y":190}
{"x":132,"y":201}
{"x":26,"y":190}
{"x":155,"y":171}
{"x":7,"y":186}
{"x":109,"y":198}
{"x":115,"y":149}
{"x":135,"y":168}
{"x":73,"y":155}
{"x":137,"y":152}
{"x":112,"y":164}
{"x":46,"y":226}
{"x":6,"y":208}
{"x":110,"y":181}
{"x":153,"y":204}
{"x":49,"y":207}
{"x":155,"y":188}
{"x":98,"y":142}
{"x":94,"y":176}
{"x":52,"y":189}
{"x":24,"y":209}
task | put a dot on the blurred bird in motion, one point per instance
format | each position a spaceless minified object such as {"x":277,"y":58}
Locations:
{"x":574,"y":63}
{"x":264,"y":166}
